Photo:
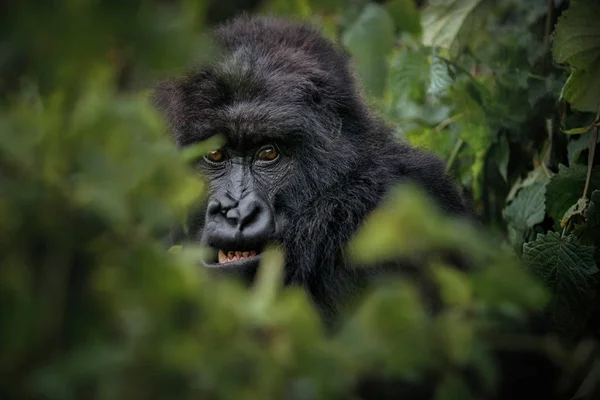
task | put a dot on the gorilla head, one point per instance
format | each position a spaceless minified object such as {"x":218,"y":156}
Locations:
{"x":304,"y":160}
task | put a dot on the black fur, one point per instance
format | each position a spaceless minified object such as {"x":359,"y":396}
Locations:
{"x":285,"y":80}
{"x":282,"y":82}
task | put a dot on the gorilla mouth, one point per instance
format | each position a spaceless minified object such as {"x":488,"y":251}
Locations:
{"x":233,"y":260}
{"x":232,"y":256}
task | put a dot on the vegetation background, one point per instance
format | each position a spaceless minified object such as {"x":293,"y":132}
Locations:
{"x":92,"y":306}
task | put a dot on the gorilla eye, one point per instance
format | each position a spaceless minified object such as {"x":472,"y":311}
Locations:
{"x":215,"y":156}
{"x":268,"y":153}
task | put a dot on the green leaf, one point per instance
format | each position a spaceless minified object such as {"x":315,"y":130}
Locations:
{"x":405,"y":15}
{"x":577,"y":43}
{"x":439,"y":76}
{"x":582,"y":90}
{"x":565,"y":189}
{"x":576,"y":146}
{"x":527,"y":209}
{"x":369,"y":40}
{"x":566,"y":267}
{"x":443,"y":19}
{"x":577,"y":36}
{"x":454,"y":285}
{"x":576,"y":131}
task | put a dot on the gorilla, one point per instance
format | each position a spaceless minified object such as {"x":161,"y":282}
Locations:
{"x":304,"y":160}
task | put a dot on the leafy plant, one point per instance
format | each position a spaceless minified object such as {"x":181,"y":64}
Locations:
{"x":93,"y":306}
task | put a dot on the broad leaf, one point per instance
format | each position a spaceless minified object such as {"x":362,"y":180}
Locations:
{"x":439,"y":76}
{"x":443,"y":19}
{"x":565,"y":189}
{"x":527,"y":209}
{"x":566,"y":267}
{"x":577,"y":43}
{"x":582,"y":90}
{"x":577,"y":36}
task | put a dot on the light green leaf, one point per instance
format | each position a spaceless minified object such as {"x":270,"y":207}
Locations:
{"x":439,"y":76}
{"x":443,"y":19}
{"x":576,"y":131}
{"x":566,"y":267}
{"x":455,"y":288}
{"x":582,"y":90}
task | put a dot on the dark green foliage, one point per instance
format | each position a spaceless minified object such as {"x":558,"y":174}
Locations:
{"x":92,"y":306}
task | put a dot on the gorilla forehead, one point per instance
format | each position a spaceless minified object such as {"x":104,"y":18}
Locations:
{"x":271,"y":78}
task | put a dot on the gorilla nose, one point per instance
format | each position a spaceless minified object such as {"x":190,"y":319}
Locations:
{"x":238,"y":224}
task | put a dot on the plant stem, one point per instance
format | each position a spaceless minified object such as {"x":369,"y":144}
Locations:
{"x":454,"y":153}
{"x":591,"y":154}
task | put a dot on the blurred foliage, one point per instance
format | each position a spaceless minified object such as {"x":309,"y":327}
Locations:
{"x":92,"y":306}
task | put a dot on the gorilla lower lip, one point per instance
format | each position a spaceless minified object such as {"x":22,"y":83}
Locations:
{"x":234,"y":256}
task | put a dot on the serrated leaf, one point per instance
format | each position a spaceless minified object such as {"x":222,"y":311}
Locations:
{"x":408,"y":77}
{"x":577,"y":36}
{"x":527,"y":209}
{"x":369,"y":40}
{"x":566,"y":187}
{"x":566,"y":267}
{"x":439,"y":76}
{"x":443,"y":19}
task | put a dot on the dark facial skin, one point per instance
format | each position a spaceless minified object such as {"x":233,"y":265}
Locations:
{"x":240,"y":216}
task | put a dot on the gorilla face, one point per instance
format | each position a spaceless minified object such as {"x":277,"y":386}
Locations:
{"x":284,"y":101}
{"x":304,"y":160}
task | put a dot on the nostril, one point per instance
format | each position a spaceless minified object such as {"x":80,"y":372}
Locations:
{"x":214,"y":207}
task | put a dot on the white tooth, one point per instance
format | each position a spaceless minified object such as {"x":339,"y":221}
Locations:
{"x":238,"y":254}
{"x":230,"y":255}
{"x":245,"y":254}
{"x":222,"y":257}
{"x":253,"y":253}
